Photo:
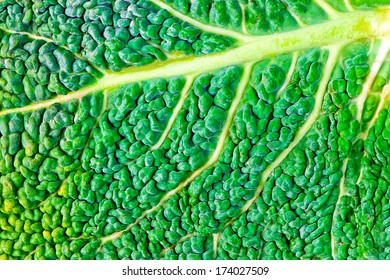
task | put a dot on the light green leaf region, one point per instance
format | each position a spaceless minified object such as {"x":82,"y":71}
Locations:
{"x":202,"y":129}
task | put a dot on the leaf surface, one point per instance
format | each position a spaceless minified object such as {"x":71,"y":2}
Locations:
{"x":198,"y":129}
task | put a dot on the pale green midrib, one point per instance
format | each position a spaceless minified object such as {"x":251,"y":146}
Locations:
{"x":358,"y":25}
{"x":211,"y":161}
{"x":311,"y":119}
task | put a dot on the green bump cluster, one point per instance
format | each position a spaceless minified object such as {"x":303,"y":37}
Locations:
{"x":220,"y":13}
{"x":194,"y":248}
{"x":265,"y":124}
{"x":167,"y":233}
{"x":361,"y":224}
{"x":135,"y":119}
{"x":111,"y":35}
{"x":122,"y":174}
{"x":35,"y":70}
{"x":254,"y":17}
{"x":41,"y":150}
{"x":268,"y":17}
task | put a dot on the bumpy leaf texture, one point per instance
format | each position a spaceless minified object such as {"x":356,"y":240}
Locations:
{"x":194,"y":129}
